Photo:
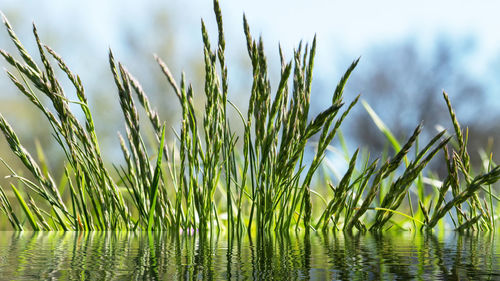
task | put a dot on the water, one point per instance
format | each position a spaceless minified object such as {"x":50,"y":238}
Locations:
{"x":137,"y":256}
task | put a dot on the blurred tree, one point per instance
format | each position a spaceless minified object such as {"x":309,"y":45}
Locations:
{"x":404,"y":83}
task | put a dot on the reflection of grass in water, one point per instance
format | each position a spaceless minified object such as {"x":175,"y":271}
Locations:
{"x":213,"y":179}
{"x":321,"y":256}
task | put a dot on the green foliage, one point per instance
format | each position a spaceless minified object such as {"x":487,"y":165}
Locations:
{"x":210,"y":178}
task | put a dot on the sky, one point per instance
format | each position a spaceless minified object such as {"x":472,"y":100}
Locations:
{"x":346,"y":27}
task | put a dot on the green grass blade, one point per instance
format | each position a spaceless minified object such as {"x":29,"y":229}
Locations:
{"x":399,"y":213}
{"x":26,"y":209}
{"x":156,"y":181}
{"x":381,"y":126}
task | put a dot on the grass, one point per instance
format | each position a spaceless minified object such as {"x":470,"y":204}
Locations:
{"x":211,"y":178}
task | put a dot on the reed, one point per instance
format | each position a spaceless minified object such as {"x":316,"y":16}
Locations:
{"x":258,"y":180}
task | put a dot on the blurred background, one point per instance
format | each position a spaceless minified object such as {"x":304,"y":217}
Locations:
{"x":410,"y":52}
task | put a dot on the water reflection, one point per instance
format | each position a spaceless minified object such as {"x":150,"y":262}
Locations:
{"x":330,"y":256}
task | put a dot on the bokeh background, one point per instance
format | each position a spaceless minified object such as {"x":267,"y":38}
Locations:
{"x":410,"y":52}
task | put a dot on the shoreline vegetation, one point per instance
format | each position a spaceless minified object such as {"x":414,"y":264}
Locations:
{"x":211,"y":179}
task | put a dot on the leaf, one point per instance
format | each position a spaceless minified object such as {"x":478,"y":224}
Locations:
{"x":27,"y":211}
{"x":156,"y":180}
{"x":381,"y":126}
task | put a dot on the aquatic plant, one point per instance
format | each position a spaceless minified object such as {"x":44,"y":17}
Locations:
{"x":260,"y":178}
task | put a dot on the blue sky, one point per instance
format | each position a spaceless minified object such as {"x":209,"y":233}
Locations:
{"x":345,"y":26}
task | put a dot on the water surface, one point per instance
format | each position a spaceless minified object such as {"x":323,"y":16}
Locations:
{"x":332,"y":256}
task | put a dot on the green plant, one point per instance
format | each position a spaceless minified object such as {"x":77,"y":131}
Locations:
{"x":259,"y":180}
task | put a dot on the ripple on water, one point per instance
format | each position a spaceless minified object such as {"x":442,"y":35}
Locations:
{"x":137,"y":256}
